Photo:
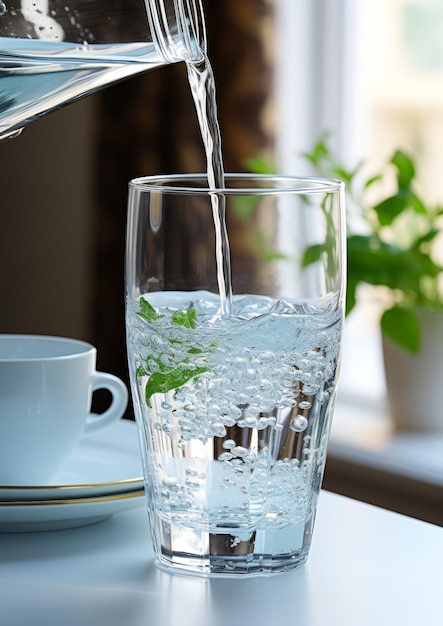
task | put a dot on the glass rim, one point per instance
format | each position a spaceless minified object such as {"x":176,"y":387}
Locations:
{"x":268,"y":184}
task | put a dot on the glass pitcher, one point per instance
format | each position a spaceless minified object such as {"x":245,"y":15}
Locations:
{"x":53,"y":52}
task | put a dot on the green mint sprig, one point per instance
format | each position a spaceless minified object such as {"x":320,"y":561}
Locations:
{"x":162,"y":382}
{"x":147,"y":311}
{"x":163,"y":377}
{"x":185,"y":318}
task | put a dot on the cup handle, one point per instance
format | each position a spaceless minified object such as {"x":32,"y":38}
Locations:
{"x":119,"y":392}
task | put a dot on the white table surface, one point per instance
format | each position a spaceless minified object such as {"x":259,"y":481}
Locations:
{"x":367,"y":567}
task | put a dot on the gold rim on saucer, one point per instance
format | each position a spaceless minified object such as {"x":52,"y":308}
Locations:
{"x":126,"y":481}
{"x":120,"y":496}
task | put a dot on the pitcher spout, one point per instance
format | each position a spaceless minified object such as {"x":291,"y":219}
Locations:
{"x":53,"y":53}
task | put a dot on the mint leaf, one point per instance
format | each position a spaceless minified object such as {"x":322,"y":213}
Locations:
{"x":151,"y":358}
{"x":140,"y":371}
{"x":160,"y":382}
{"x":163,"y":374}
{"x":185,"y":318}
{"x":147,"y":311}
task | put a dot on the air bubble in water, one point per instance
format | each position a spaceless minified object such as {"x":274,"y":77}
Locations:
{"x":225,"y":456}
{"x":229,"y":444}
{"x":192,"y":483}
{"x":299,"y":424}
{"x":218,"y":430}
{"x":304,"y":405}
{"x":239,"y":451}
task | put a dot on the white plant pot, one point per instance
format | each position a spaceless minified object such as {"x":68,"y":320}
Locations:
{"x":415,"y":381}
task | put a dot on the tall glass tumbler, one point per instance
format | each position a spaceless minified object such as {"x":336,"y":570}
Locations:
{"x":235,"y":307}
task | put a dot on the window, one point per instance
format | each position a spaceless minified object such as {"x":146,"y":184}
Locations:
{"x":371,"y":73}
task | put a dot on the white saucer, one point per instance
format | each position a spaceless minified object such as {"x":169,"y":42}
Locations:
{"x":19,"y":517}
{"x":105,"y":463}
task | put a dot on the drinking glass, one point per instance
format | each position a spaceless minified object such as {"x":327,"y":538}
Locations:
{"x":235,"y":306}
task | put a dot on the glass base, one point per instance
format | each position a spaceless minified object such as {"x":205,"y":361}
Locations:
{"x":230,"y":551}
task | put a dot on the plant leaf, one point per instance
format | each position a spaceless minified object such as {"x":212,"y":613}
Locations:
{"x":339,"y":172}
{"x":372,"y":180}
{"x":272,"y":255}
{"x":160,"y":382}
{"x":390,"y":208}
{"x":426,"y":238}
{"x":378,"y":263}
{"x":244,"y":206}
{"x":351,"y":297}
{"x":140,"y":371}
{"x":147,"y":311}
{"x":259,"y":165}
{"x":405,"y":168}
{"x":319,"y":152}
{"x":417,"y":204}
{"x":312,"y":254}
{"x":185,"y":318}
{"x":402,"y":327}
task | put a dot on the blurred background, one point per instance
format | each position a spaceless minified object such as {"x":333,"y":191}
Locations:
{"x":370,"y":72}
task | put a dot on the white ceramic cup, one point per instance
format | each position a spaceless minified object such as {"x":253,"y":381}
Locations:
{"x":46,"y":387}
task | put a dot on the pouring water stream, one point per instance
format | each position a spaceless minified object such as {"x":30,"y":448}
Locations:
{"x":42,"y":71}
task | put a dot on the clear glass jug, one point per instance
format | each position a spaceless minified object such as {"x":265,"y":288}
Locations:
{"x":53,"y":52}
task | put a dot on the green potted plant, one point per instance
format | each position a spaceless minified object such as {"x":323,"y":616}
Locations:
{"x":391,"y":246}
